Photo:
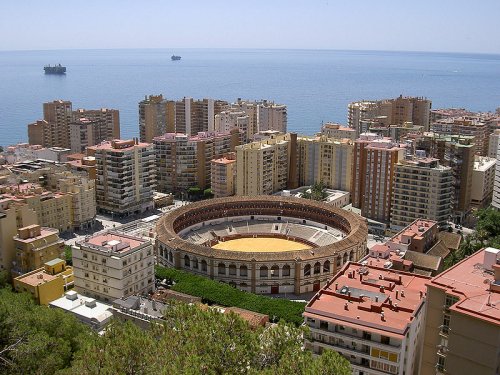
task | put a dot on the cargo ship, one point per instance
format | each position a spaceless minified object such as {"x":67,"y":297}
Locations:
{"x":56,"y":69}
{"x":175,"y":58}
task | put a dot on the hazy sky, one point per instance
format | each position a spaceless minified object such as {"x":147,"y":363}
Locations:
{"x":417,"y":25}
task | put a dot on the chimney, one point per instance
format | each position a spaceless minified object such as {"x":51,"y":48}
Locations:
{"x":397,"y":294}
{"x":402,"y":293}
{"x":346,"y":306}
{"x":382,"y":289}
{"x":382,"y":316}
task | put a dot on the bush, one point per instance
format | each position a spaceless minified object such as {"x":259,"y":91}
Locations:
{"x":214,"y":292}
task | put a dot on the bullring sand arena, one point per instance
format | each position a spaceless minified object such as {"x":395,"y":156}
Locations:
{"x":261,"y":244}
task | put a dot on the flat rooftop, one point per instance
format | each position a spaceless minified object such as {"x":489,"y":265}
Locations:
{"x":37,"y":278}
{"x":470,"y":281}
{"x":113,"y":242}
{"x":370,"y":298}
{"x":417,"y":229}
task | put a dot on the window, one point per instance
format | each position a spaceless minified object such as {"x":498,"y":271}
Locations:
{"x":275,"y":271}
{"x":243,"y":271}
{"x":285,"y":271}
{"x":263,"y":271}
{"x":221,"y":269}
{"x":307,"y":270}
{"x":326,"y":266}
{"x":317,"y":268}
{"x":195,"y":263}
{"x":232,"y":270}
{"x":187,"y":262}
{"x":386,"y":340}
{"x":204,"y":265}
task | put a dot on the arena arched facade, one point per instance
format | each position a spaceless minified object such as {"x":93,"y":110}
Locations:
{"x":330,"y":237}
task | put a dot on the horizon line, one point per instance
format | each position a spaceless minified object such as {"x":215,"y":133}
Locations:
{"x":249,"y":49}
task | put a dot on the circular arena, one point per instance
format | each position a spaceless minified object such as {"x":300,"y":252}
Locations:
{"x":263,"y":244}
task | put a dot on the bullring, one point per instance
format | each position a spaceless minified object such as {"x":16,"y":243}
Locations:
{"x":328,"y":238}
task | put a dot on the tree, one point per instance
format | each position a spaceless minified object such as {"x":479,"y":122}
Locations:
{"x":315,"y":192}
{"x":207,"y":193}
{"x":68,"y":255}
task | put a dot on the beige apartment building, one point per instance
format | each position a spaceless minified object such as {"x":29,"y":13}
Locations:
{"x":223,"y":175}
{"x":108,"y":266}
{"x":494,"y":141}
{"x":109,"y":117}
{"x":125,"y":176}
{"x":390,"y":112}
{"x":496,"y":185}
{"x":271,"y":116}
{"x":156,"y":117}
{"x":250,"y":109}
{"x":373,"y":175}
{"x":231,"y":119}
{"x":34,"y":246}
{"x":53,"y":209}
{"x":371,"y":316}
{"x":462,"y":324}
{"x":326,"y":160}
{"x":195,"y":116}
{"x":422,"y":188}
{"x":483,"y":181}
{"x":83,"y":199}
{"x":338,"y":131}
{"x":184,"y":161}
{"x":456,"y":152}
{"x":465,"y":126}
{"x":12,"y":217}
{"x":58,"y":114}
{"x":267,"y":166}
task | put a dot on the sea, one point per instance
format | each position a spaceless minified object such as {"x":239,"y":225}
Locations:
{"x":316,"y":85}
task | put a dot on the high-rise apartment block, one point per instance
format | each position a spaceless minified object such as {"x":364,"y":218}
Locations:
{"x":154,"y":115}
{"x":456,"y":152}
{"x":267,"y":166}
{"x":462,"y":322}
{"x":195,"y":116}
{"x":465,"y":126}
{"x":183,"y":161}
{"x":125,"y":176}
{"x":35,"y":245}
{"x":271,"y":116}
{"x":55,"y":130}
{"x":325,"y":160}
{"x":422,"y":188}
{"x":109,"y":118}
{"x":230,"y":119}
{"x":483,"y":181}
{"x":338,"y":131}
{"x":390,"y":112}
{"x":373,"y":175}
{"x":494,"y":141}
{"x":111,"y":265}
{"x":496,"y":185}
{"x":372,"y":316}
{"x":223,"y":175}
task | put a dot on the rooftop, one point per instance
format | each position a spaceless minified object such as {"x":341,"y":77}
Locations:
{"x":418,"y":229}
{"x":473,"y":281}
{"x":112,"y":242}
{"x":84,"y":307}
{"x":119,"y":145}
{"x":371,"y":298}
{"x":36,"y":277}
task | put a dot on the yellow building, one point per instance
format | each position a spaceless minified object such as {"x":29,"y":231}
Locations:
{"x":35,"y":246}
{"x":223,"y":175}
{"x":12,"y":217}
{"x":48,"y":283}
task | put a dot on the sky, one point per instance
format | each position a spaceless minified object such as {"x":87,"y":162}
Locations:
{"x":389,"y":25}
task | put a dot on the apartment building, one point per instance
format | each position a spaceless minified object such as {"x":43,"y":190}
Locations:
{"x":230,"y":119}
{"x":325,"y":160}
{"x":496,"y":185}
{"x":250,"y":109}
{"x":113,"y":265}
{"x":223,"y":175}
{"x":271,"y":116}
{"x":81,"y":164}
{"x":57,"y":114}
{"x":422,"y":188}
{"x":35,"y":245}
{"x":456,"y":152}
{"x":494,"y":141}
{"x":390,"y":112}
{"x":184,"y":161}
{"x":462,"y":324}
{"x":465,"y":126}
{"x":110,"y":118}
{"x":12,"y":217}
{"x":195,"y":116}
{"x":373,"y":175}
{"x":372,"y":316}
{"x":338,"y":131}
{"x":46,"y":284}
{"x":483,"y":181}
{"x":155,"y":113}
{"x":267,"y":166}
{"x":126,"y":177}
{"x":53,"y":209}
{"x":84,"y":133}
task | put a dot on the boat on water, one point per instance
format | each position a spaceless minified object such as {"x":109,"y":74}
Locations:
{"x":175,"y":58}
{"x":56,"y":69}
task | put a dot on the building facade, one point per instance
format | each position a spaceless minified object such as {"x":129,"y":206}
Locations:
{"x":462,"y":325}
{"x":223,"y":175}
{"x":483,"y":181}
{"x":372,"y":316}
{"x":112,"y":265}
{"x":154,"y":114}
{"x":422,"y":189}
{"x":126,"y":177}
